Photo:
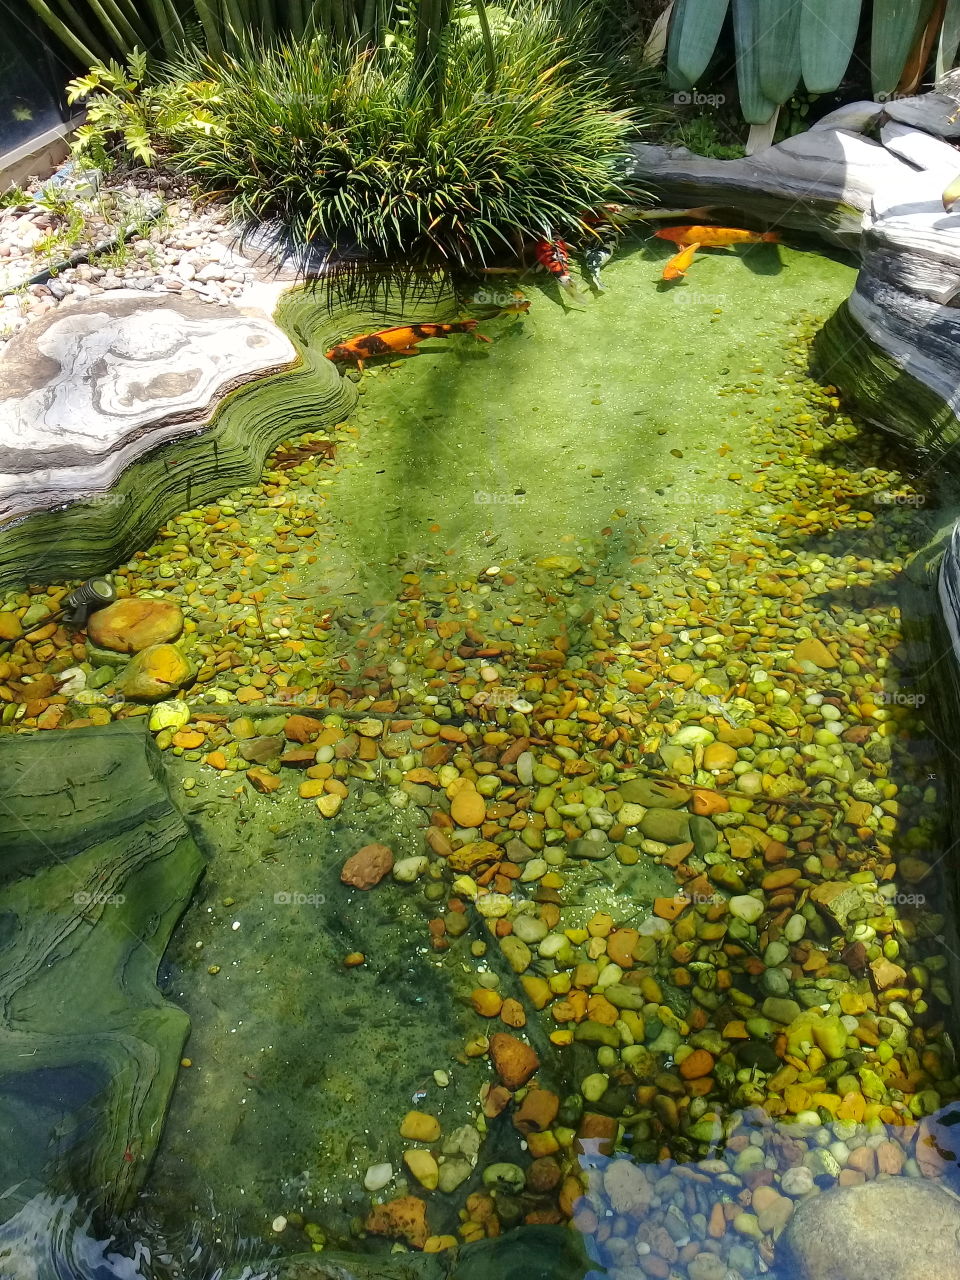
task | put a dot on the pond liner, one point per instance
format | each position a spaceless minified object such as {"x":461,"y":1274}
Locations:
{"x":96,"y":868}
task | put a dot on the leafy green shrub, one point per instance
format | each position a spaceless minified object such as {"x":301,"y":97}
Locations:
{"x":123,"y":109}
{"x":506,"y":132}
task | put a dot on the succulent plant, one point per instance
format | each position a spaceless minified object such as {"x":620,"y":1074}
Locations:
{"x":778,"y":43}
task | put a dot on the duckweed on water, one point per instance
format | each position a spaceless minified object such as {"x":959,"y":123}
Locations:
{"x":674,"y":828}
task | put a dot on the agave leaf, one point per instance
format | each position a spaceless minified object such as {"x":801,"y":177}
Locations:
{"x":949,"y":38}
{"x":828,"y":32}
{"x":694,"y":31}
{"x":778,"y":47}
{"x":894,"y":28}
{"x":755,"y":106}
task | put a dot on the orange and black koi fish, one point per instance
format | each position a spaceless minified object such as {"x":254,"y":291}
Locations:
{"x":677,"y":267}
{"x":554,"y":256}
{"x":715,"y":237}
{"x":400,"y":341}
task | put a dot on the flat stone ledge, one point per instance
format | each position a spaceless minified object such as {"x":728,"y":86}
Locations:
{"x":91,"y":388}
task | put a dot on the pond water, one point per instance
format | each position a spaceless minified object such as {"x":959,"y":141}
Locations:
{"x":596,"y":627}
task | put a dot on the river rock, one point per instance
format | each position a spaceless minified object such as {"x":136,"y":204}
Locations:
{"x":129,"y":625}
{"x":896,"y":1228}
{"x":368,"y":866}
{"x":669,"y":826}
{"x":155,"y":673}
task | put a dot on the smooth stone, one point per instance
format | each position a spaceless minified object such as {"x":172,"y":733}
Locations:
{"x":132,"y":624}
{"x":589,"y":849}
{"x":153,"y":674}
{"x":747,"y":908}
{"x":669,"y":826}
{"x":901,"y":1228}
{"x":377,"y":1177}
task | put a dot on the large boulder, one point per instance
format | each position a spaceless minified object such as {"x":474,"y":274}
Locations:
{"x":892,"y":1229}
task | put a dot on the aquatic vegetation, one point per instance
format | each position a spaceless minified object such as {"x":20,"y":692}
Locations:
{"x":364,"y":155}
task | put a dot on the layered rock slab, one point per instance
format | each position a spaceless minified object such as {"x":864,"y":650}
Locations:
{"x":88,"y":389}
{"x":95,"y":870}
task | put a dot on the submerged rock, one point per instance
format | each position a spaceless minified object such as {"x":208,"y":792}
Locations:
{"x":897,"y":1228}
{"x":127,"y":626}
{"x":155,"y":673}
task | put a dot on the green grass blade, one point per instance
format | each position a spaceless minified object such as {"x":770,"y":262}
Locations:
{"x":755,"y":106}
{"x":778,"y":47}
{"x":828,"y":33}
{"x":694,"y":31}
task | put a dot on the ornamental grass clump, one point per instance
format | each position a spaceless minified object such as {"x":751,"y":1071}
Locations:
{"x":372,"y":154}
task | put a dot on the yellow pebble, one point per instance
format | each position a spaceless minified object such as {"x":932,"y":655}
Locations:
{"x":420,"y":1126}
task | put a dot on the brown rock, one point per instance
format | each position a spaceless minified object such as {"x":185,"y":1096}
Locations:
{"x":129,"y":625}
{"x":301,"y":728}
{"x":514,"y":1061}
{"x":864,"y":1160}
{"x":367,"y":866}
{"x":620,"y":946}
{"x":537,"y":1111}
{"x":543,"y":1175}
{"x":596,"y":1134}
{"x":263,"y":780}
{"x":401,"y":1219}
{"x":890,"y":1158}
{"x":886,"y":973}
{"x":468,"y":808}
{"x":815,"y":651}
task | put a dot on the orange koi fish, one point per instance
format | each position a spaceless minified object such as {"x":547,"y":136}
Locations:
{"x":716,"y":237}
{"x":677,"y":267}
{"x":400,"y":341}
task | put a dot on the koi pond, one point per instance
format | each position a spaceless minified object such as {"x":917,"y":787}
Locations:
{"x":541,"y":869}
